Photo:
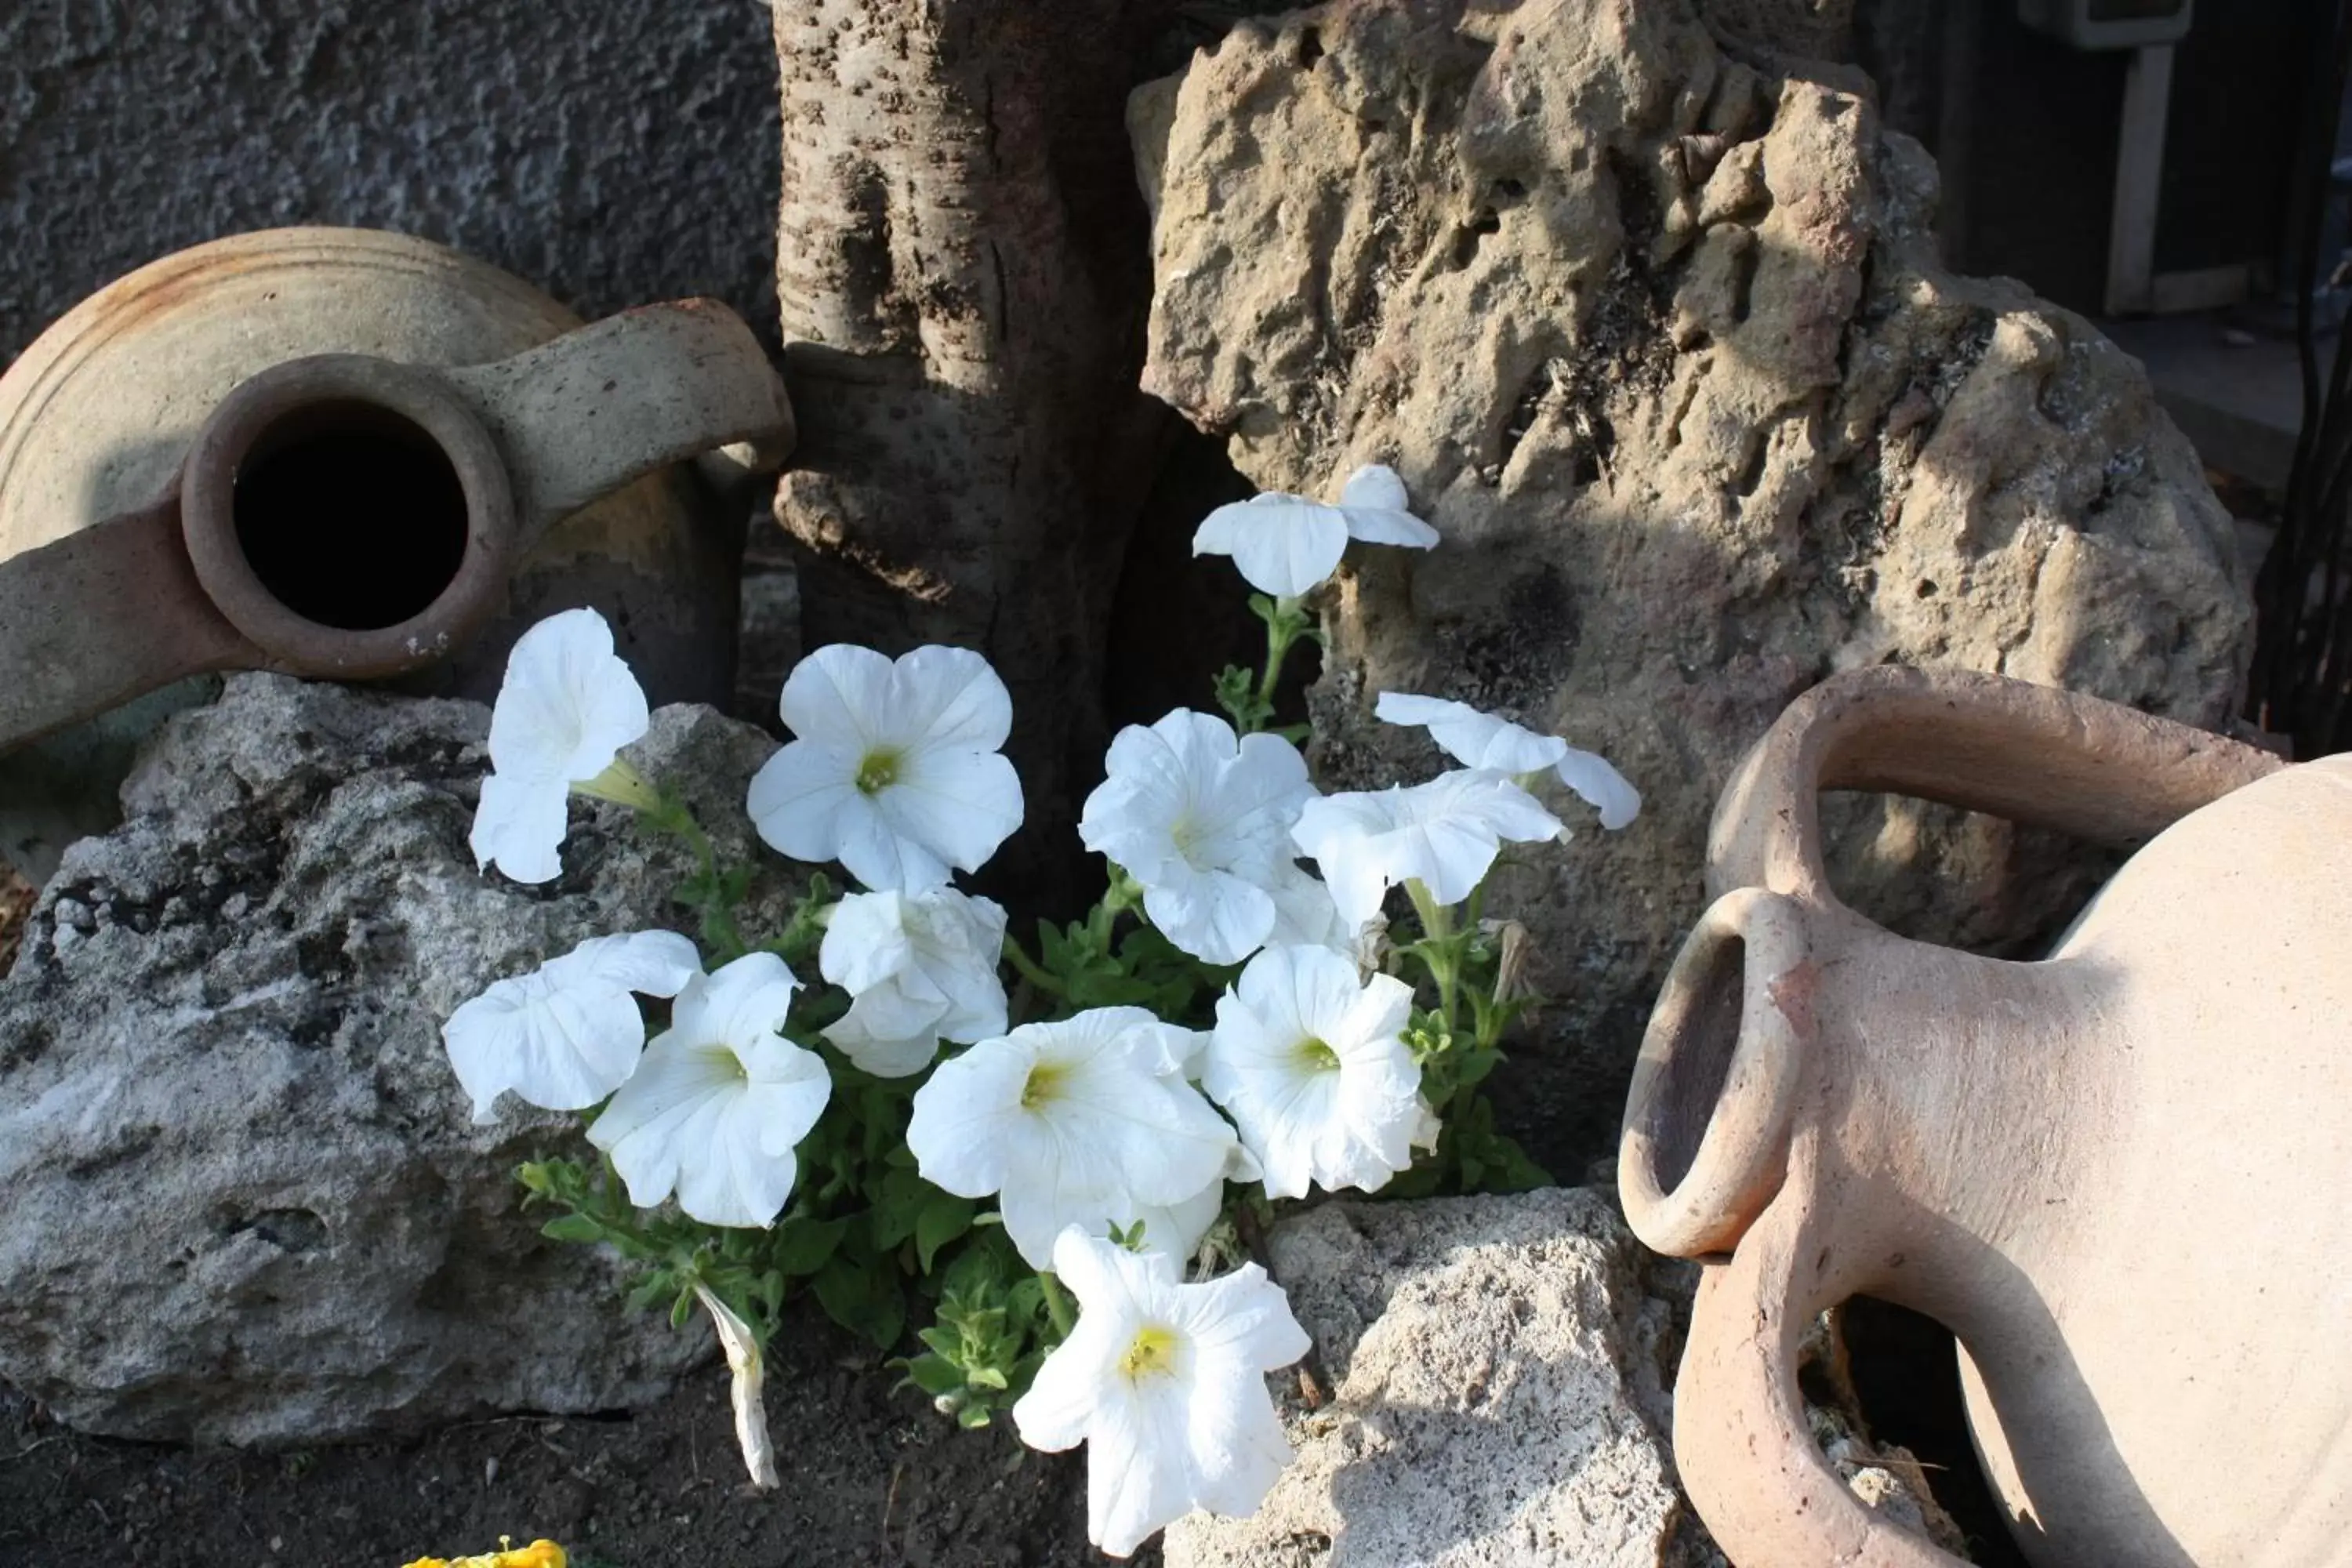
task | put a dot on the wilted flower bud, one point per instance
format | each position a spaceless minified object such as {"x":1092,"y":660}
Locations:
{"x":1513,"y":949}
{"x":743,"y":1360}
{"x":1371,"y":947}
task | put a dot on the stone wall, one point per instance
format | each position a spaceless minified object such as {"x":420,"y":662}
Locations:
{"x":612,"y":152}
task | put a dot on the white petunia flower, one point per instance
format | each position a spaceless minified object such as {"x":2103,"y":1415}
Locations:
{"x":569,"y":1033}
{"x":719,"y":1101}
{"x":1088,"y":1122}
{"x":1200,"y":819}
{"x":1287,"y":546}
{"x":566,"y":708}
{"x":894,"y":767}
{"x":1312,"y":1066}
{"x":920,"y":968}
{"x":1165,"y":1384}
{"x":1443,"y":833}
{"x":1482,"y":740}
{"x":1304,"y":914}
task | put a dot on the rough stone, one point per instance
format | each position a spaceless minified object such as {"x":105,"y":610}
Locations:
{"x":1498,"y":1396}
{"x":613,"y":152}
{"x":246,"y":1201}
{"x":1491,"y":1385}
{"x":1658,"y":340}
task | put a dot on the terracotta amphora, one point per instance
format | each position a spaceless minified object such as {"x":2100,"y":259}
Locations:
{"x":353,"y":454}
{"x":2122,"y":1176}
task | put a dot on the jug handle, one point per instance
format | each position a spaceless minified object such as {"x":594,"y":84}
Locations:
{"x":581,"y":417}
{"x":1752,"y":1468}
{"x":2034,"y":754}
{"x":103,"y":616}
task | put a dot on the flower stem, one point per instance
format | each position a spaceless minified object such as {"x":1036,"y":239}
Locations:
{"x":1030,"y":970}
{"x":622,"y":784}
{"x":1057,"y":1304}
{"x":1440,"y":946}
{"x":707,"y":889}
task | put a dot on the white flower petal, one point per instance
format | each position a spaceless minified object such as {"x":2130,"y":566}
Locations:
{"x":1379,"y":512}
{"x":1375,"y":486}
{"x":920,"y":967}
{"x":1282,"y":544}
{"x":520,"y":826}
{"x":1200,"y":818}
{"x":1474,"y":739}
{"x":1165,"y":1384}
{"x":1216,"y":918}
{"x":798,"y":798}
{"x":948,"y":696}
{"x":560,"y":1050}
{"x":1602,"y":787}
{"x":958,"y":805}
{"x":718,"y":1100}
{"x":1082,"y":1121}
{"x":1311,"y":1064}
{"x":1304,"y":914}
{"x":833,"y":696}
{"x":567,"y":704}
{"x":961,"y":1129}
{"x":567,"y":1035}
{"x":652,"y":963}
{"x":894,"y":771}
{"x":867,"y":941}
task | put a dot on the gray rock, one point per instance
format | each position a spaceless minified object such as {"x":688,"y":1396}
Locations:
{"x":1491,"y":1385}
{"x":246,"y":1201}
{"x":1496,"y":1363}
{"x":1659,"y":342}
{"x":612,"y":152}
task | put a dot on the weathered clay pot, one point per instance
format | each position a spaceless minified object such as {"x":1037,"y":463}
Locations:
{"x":2119,"y":1175}
{"x":346,"y":453}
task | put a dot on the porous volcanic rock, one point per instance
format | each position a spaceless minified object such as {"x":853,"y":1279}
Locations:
{"x":1660,"y":343}
{"x":245,"y":1199}
{"x":1491,"y":1385}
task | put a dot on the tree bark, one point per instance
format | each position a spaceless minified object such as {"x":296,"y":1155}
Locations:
{"x":964,"y":265}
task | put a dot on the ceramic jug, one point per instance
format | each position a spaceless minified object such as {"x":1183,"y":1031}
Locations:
{"x":2122,"y":1176}
{"x":353,"y":454}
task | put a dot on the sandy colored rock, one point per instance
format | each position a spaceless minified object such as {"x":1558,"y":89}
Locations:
{"x":1661,"y":345}
{"x":245,"y":1199}
{"x":1496,"y":1366}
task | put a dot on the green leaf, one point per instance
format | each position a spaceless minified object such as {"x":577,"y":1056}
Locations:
{"x":572,"y":1228}
{"x":681,"y":1310}
{"x":943,"y":1219}
{"x":859,"y":1298}
{"x":934,"y":1375}
{"x":802,"y":1246}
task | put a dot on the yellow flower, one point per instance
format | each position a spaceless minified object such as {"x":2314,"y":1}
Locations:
{"x":538,"y":1554}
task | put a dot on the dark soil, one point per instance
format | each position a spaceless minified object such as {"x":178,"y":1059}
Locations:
{"x":870,"y":1478}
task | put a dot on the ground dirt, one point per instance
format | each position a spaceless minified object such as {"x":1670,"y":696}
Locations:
{"x":869,"y":1478}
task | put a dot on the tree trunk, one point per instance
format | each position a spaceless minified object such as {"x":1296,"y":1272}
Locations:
{"x":963,"y":265}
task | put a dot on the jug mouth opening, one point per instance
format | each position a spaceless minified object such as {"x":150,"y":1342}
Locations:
{"x":351,"y":514}
{"x":348,"y":515}
{"x":1705,"y":1134}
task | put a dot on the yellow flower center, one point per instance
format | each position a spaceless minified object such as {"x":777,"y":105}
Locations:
{"x":1314,"y":1055}
{"x":1045,"y":1085}
{"x":1151,"y":1353}
{"x":878,"y":772}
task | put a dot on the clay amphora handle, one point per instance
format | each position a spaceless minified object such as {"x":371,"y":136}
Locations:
{"x":2034,"y":754}
{"x":174,"y":589}
{"x":1719,"y":1153}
